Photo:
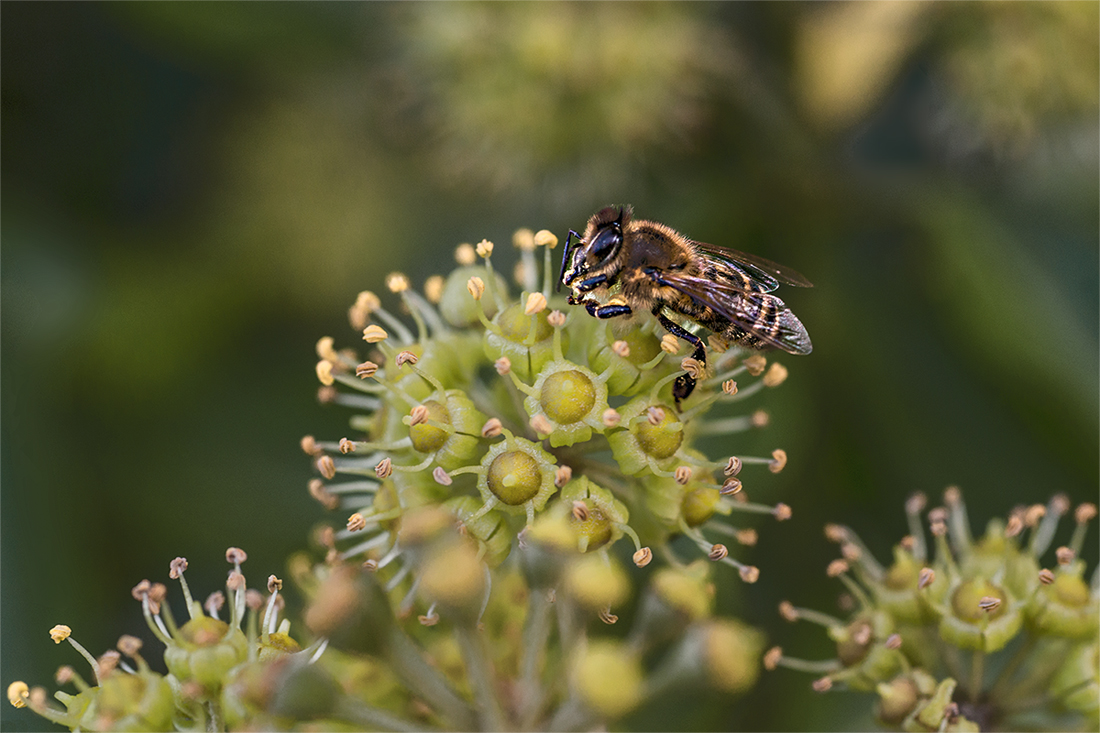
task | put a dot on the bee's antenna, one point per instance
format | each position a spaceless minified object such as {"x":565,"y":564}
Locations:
{"x":565,"y":257}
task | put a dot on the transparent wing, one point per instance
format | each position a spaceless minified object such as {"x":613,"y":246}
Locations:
{"x":760,"y":315}
{"x":765,"y":272}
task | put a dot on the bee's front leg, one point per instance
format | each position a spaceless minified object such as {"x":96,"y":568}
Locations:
{"x":598,"y":310}
{"x":590,"y":284}
{"x":685,"y":383}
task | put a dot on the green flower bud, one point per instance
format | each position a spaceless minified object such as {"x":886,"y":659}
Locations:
{"x":277,"y":645}
{"x":861,"y":650}
{"x":931,"y":716}
{"x":626,"y":375}
{"x":1065,"y":607}
{"x":567,"y":396}
{"x":511,"y":335}
{"x":699,"y":504}
{"x":664,"y":500}
{"x":303,"y":691}
{"x":660,"y":440}
{"x":722,"y":654}
{"x":204,"y":650}
{"x":897,"y":593}
{"x":514,"y":477}
{"x":424,"y":528}
{"x":897,"y":699}
{"x":597,"y":517}
{"x":385,"y":500}
{"x":455,"y":447}
{"x":674,"y":598}
{"x":457,"y":307}
{"x":490,"y":530}
{"x":686,"y":590}
{"x":572,"y":397}
{"x":548,"y":547}
{"x":517,"y":476}
{"x":648,"y":432}
{"x":425,"y":437}
{"x":450,"y":361}
{"x":732,"y":652}
{"x":596,"y":583}
{"x":454,"y":577}
{"x":609,"y":678}
{"x":968,"y":625}
{"x":351,"y":610}
{"x":1077,"y":682}
{"x":132,"y":702}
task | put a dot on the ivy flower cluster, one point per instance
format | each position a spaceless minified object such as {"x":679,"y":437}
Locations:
{"x":507,"y":454}
{"x":218,"y":668}
{"x":516,"y":475}
{"x":973,"y":633}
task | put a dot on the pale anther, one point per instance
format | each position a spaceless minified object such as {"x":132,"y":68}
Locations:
{"x":373,"y":333}
{"x":396,"y":282}
{"x":536,"y":303}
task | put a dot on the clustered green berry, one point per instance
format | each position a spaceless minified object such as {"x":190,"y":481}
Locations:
{"x":978,"y":636}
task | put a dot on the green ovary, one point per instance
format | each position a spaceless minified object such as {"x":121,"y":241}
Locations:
{"x":596,"y":528}
{"x":965,"y":601}
{"x":514,"y":477}
{"x":567,"y":397}
{"x":699,"y":505}
{"x":516,"y":325}
{"x":428,"y":438}
{"x":660,"y":440}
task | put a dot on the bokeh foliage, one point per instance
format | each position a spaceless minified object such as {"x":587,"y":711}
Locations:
{"x":194,"y":192}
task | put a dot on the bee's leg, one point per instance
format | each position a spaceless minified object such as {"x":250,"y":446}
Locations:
{"x":613,"y":311}
{"x":591,"y":283}
{"x":597,"y":310}
{"x":685,"y":383}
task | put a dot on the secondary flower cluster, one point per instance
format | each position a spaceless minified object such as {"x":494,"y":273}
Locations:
{"x":219,"y":671}
{"x":980,"y":637}
{"x":503,"y":447}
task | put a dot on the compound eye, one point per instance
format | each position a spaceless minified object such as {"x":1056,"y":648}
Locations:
{"x":606,"y":244}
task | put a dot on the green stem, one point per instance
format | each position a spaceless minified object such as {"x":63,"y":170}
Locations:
{"x":87,"y":655}
{"x":535,"y":635}
{"x":950,"y":656}
{"x":428,"y":682}
{"x":362,"y":715}
{"x":977,"y":674}
{"x":1005,"y":677}
{"x":1039,"y":671}
{"x":480,"y":674}
{"x":1026,"y":703}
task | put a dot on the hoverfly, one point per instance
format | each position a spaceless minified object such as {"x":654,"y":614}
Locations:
{"x":645,"y":265}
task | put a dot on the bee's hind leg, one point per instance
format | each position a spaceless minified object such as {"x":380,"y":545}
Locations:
{"x":685,"y":383}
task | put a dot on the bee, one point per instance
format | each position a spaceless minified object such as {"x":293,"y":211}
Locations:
{"x":647,"y":266}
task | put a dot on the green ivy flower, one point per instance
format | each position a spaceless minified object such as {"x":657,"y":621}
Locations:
{"x":981,"y":636}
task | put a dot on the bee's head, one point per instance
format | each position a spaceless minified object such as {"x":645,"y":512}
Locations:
{"x":603,"y":239}
{"x":604,"y":243}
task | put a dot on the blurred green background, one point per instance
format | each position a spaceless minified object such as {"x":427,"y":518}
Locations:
{"x":194,"y":193}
